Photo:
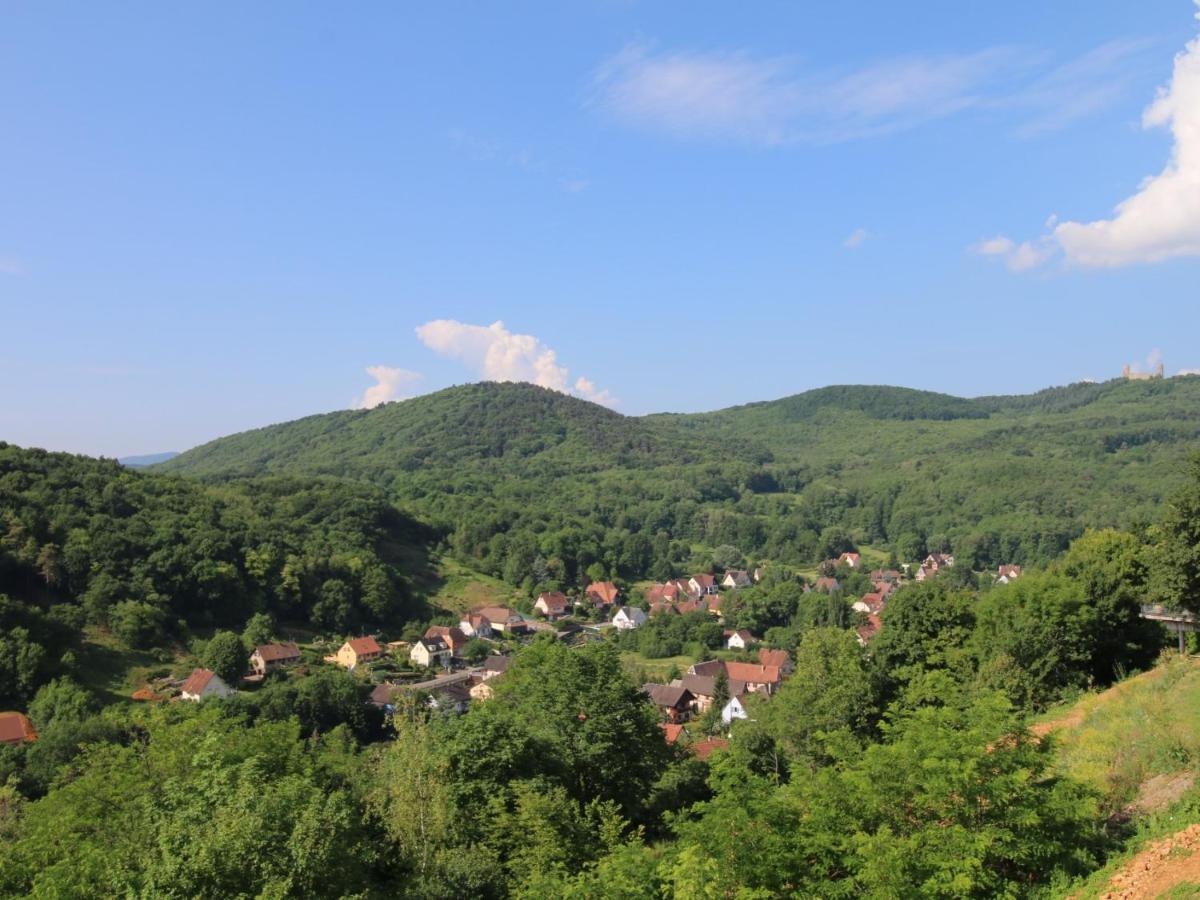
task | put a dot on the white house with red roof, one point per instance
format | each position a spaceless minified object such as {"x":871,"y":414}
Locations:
{"x":202,"y":684}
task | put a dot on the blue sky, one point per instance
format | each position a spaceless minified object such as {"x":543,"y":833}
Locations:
{"x":218,"y":216}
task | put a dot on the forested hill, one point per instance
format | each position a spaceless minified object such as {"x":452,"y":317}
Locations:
{"x":516,"y":471}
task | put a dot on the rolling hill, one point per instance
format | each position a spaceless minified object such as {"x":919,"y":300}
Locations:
{"x":1005,"y":478}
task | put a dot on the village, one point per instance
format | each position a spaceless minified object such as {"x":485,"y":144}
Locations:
{"x":450,"y":667}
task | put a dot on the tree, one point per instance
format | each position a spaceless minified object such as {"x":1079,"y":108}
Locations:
{"x":1177,"y":546}
{"x":226,"y":656}
{"x":137,"y":624}
{"x":260,"y":629}
{"x":59,"y":701}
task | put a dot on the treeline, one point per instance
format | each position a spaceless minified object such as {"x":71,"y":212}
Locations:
{"x":87,"y":542}
{"x":513,"y":473}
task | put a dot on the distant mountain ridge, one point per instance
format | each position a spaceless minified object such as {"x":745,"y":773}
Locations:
{"x":148,"y":459}
{"x":1011,"y":478}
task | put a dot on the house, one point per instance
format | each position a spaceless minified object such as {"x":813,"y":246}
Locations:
{"x":938,"y":561}
{"x":628,"y":617}
{"x":734,"y":709}
{"x":867,"y":631}
{"x":853,"y":560}
{"x":495,"y":665}
{"x":1005,"y":574}
{"x":756,"y":678}
{"x":704,"y":749}
{"x":780,"y":659}
{"x":552,"y":604}
{"x":384,"y":696}
{"x":703,"y":689}
{"x":708,"y":667}
{"x":683,"y":586}
{"x":452,"y":636}
{"x":269,"y":657}
{"x":204,"y":683}
{"x":602,"y":594}
{"x":15,"y":728}
{"x":703,"y":585}
{"x":431,"y":652}
{"x":736,"y":578}
{"x":663,"y":593}
{"x":739,"y":639}
{"x":925,"y":572}
{"x":672,"y":732}
{"x":450,"y":698}
{"x":357,"y":651}
{"x":690,"y":606}
{"x":828,"y":585}
{"x":500,"y":618}
{"x":663,"y":607}
{"x":883,"y":588}
{"x":476,"y":625}
{"x":890,"y":576}
{"x":869,"y":603}
{"x":714,"y":604}
{"x":674,"y":702}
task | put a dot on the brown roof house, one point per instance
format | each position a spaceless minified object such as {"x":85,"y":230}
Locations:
{"x":475,"y":624}
{"x":867,"y":631}
{"x":703,"y":585}
{"x":202,"y":684}
{"x":1005,"y":574}
{"x":673,"y":701}
{"x":269,"y":657}
{"x":15,"y":728}
{"x":602,"y":594}
{"x":452,"y":635}
{"x":357,"y":651}
{"x":739,"y":639}
{"x":431,"y":653}
{"x":853,"y":560}
{"x":552,"y":604}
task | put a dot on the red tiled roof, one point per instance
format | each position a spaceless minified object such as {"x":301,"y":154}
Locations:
{"x":671,"y":732}
{"x":15,"y":728}
{"x":776,"y":658}
{"x":451,"y":634}
{"x":869,"y":630}
{"x":604,"y":591}
{"x":705,"y":581}
{"x":705,"y":748}
{"x":197,"y":681}
{"x":752,"y":672}
{"x":364,"y":645}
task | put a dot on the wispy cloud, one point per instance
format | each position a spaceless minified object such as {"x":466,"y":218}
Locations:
{"x":11,"y":266}
{"x":524,"y":159}
{"x":773,"y":101}
{"x":1018,"y":257}
{"x":390,"y":384}
{"x":1162,"y":219}
{"x":497,"y":354}
{"x":857,"y":238}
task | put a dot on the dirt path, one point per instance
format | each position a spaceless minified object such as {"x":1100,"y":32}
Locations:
{"x":1164,"y":865}
{"x":1078,"y":713}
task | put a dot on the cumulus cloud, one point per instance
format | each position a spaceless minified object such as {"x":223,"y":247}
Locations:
{"x":497,"y":354}
{"x":856,"y":238}
{"x":1162,"y":219}
{"x":390,"y":384}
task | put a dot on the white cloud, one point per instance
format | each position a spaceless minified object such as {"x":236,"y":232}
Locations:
{"x":771,"y":101}
{"x":390,"y":384}
{"x":1018,"y":257}
{"x":856,"y":238}
{"x":1188,"y":372}
{"x":497,"y":354}
{"x":1162,"y":220}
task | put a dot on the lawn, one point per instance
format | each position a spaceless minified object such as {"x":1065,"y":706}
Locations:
{"x":642,"y":669}
{"x":113,"y":672}
{"x":455,"y":588}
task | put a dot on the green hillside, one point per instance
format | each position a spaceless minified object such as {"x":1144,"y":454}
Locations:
{"x":513,"y":472}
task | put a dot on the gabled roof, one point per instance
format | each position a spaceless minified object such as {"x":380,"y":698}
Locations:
{"x":667,"y":696}
{"x":671,"y":731}
{"x":870,"y":629}
{"x":15,"y":728}
{"x":364,"y":645}
{"x":554,"y":601}
{"x":497,"y":615}
{"x":751,"y":672}
{"x":497,"y":664}
{"x":197,"y":681}
{"x":433,"y":644}
{"x":277,"y":652}
{"x":632,"y":613}
{"x":825,"y":583}
{"x":451,"y":635}
{"x":776,"y":658}
{"x":688,"y":606}
{"x":705,"y":581}
{"x":1010,"y":571}
{"x":708,"y":667}
{"x":477,"y":620}
{"x":743,"y":633}
{"x":604,"y":591}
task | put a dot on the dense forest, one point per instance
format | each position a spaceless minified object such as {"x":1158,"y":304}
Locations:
{"x":902,"y":769}
{"x":87,"y":542}
{"x":513,"y":473}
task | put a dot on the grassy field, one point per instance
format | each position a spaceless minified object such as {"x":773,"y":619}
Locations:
{"x":113,"y":672}
{"x":642,"y":669}
{"x":456,"y":588}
